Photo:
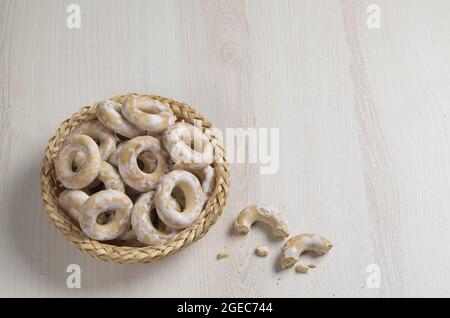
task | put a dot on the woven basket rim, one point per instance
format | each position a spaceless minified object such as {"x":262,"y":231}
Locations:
{"x":129,"y":254}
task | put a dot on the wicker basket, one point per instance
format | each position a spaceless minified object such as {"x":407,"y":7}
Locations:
{"x":50,"y":190}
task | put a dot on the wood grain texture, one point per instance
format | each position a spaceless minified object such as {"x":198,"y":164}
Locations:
{"x":364,"y":128}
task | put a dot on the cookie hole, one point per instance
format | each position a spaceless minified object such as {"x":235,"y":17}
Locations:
{"x":178,"y":195}
{"x":156,"y":221}
{"x":105,"y":217}
{"x":75,"y":168}
{"x":154,"y":218}
{"x":147,"y":168}
{"x":150,"y":166}
{"x":141,"y":164}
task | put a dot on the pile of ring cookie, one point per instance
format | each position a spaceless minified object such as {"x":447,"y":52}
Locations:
{"x":134,"y":173}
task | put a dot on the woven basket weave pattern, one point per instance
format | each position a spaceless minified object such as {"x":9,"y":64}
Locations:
{"x":50,"y":190}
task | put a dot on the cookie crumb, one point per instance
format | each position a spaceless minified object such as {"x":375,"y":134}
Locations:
{"x":222,"y":255}
{"x":300,"y":268}
{"x":312,"y":265}
{"x":262,"y":251}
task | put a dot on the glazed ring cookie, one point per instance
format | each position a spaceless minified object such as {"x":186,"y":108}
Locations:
{"x":166,"y":206}
{"x":104,"y":201}
{"x":64,"y":162}
{"x":72,"y":201}
{"x":97,"y":131}
{"x":147,"y":113}
{"x":147,"y":159}
{"x":109,"y":114}
{"x":129,"y":168}
{"x":109,"y":176}
{"x":143,"y":225}
{"x":204,"y":174}
{"x":178,"y":140}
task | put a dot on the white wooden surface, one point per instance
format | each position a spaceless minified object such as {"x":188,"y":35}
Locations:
{"x":364,"y":127}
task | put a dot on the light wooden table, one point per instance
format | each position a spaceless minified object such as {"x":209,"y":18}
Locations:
{"x":364,"y":127}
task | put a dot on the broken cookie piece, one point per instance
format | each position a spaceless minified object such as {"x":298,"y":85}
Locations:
{"x":222,"y":255}
{"x":262,"y":251}
{"x":265,"y":214}
{"x":299,"y":244}
{"x":300,"y":268}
